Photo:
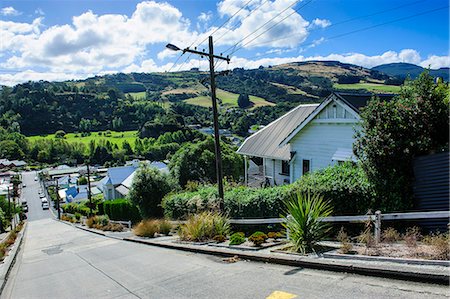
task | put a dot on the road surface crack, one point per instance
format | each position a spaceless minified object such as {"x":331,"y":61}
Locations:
{"x":106,"y":274}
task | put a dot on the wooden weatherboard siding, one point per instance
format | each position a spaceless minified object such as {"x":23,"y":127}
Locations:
{"x":332,"y":128}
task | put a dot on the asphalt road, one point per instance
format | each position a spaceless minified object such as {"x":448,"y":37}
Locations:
{"x":31,"y":194}
{"x":60,"y":261}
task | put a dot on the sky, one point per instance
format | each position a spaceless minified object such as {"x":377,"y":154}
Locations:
{"x":60,"y":40}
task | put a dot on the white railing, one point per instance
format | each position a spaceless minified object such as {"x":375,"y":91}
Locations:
{"x":377,"y":218}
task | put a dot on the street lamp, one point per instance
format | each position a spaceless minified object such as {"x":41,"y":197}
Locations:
{"x":211,"y":57}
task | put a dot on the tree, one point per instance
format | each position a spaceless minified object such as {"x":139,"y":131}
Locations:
{"x":243,"y":101}
{"x":60,"y":134}
{"x":148,"y":189}
{"x":10,"y":150}
{"x":393,"y":133}
{"x":82,"y":180}
{"x":197,"y":162}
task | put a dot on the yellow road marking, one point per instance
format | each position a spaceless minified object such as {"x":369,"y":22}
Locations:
{"x":281,"y":295}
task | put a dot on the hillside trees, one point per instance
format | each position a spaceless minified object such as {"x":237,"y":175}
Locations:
{"x":243,"y":101}
{"x":393,"y":133}
{"x":196,"y":162}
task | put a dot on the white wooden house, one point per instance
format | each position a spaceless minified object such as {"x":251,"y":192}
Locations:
{"x":307,"y":138}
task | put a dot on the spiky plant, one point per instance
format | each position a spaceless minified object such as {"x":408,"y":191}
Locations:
{"x":304,"y":224}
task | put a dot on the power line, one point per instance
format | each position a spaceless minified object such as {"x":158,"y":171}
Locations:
{"x":368,"y":28}
{"x":346,"y":21}
{"x":234,"y":27}
{"x":276,"y":24}
{"x":248,"y":35}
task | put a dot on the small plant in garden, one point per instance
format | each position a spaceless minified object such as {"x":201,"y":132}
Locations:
{"x":237,"y":238}
{"x":440,"y":245}
{"x":346,"y":245}
{"x":113,"y":227}
{"x":274,"y":235}
{"x":203,"y":227}
{"x":164,"y":227}
{"x":390,"y":235}
{"x":304,"y":224}
{"x":98,"y":221}
{"x":147,"y":228}
{"x":219,"y":238}
{"x":77,"y":217}
{"x":366,"y":236}
{"x":258,"y":238}
{"x":412,"y":236}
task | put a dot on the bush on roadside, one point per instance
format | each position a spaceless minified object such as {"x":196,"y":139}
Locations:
{"x":219,"y":238}
{"x":257,"y":238}
{"x":440,"y":244}
{"x":304,"y":224}
{"x":121,"y":210}
{"x":390,"y":235}
{"x":237,"y":238}
{"x":147,"y":228}
{"x":412,"y":236}
{"x":164,"y":227}
{"x":203,"y":227}
{"x":97,"y":221}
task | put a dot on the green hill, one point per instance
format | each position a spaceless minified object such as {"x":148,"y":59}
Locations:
{"x":402,"y":70}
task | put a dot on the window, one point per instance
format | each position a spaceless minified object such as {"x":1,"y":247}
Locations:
{"x":285,"y":167}
{"x":306,"y":166}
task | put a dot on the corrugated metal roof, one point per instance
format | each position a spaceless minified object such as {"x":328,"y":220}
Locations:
{"x":265,"y":143}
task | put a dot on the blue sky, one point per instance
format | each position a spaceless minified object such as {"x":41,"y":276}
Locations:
{"x":68,"y":39}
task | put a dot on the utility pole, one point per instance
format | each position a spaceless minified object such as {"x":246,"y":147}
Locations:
{"x":89,"y":189}
{"x":57,"y":198}
{"x":211,"y":57}
{"x":9,"y":210}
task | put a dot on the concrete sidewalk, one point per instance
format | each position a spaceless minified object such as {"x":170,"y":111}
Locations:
{"x":412,"y":272}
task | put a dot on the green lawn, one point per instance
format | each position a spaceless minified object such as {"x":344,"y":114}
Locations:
{"x":228,"y":99}
{"x":369,"y":86}
{"x":138,"y":95}
{"x":116,"y":137}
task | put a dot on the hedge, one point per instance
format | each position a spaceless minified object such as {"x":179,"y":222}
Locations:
{"x":121,"y":210}
{"x":239,"y":202}
{"x":345,"y":185}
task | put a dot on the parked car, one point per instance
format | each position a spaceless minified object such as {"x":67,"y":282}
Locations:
{"x":45,"y":206}
{"x":24,"y":185}
{"x":35,"y":178}
{"x":24,"y":206}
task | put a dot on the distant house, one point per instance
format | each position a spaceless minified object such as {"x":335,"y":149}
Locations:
{"x":124,"y":188}
{"x":114,"y":178}
{"x":307,"y":138}
{"x":5,"y":163}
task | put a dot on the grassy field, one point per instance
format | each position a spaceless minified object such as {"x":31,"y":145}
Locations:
{"x":369,"y":86}
{"x":228,"y":99}
{"x":138,"y":95}
{"x":115,"y":137}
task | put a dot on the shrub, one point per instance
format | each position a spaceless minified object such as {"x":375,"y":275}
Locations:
{"x":237,"y":238}
{"x":239,"y":202}
{"x":274,"y":235}
{"x":219,"y":238}
{"x":77,"y":216}
{"x":114,"y":227}
{"x":203,"y":227}
{"x":258,"y":238}
{"x":148,"y":188}
{"x":121,"y":209}
{"x":440,"y":245}
{"x":65,"y":217}
{"x":304,"y":224}
{"x":412,"y":236}
{"x":346,"y":185}
{"x":97,"y":221}
{"x":390,"y":235}
{"x":342,"y":237}
{"x":164,"y":227}
{"x":146,"y":228}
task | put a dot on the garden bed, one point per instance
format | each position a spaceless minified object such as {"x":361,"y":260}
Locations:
{"x":247,"y":245}
{"x":421,"y":254}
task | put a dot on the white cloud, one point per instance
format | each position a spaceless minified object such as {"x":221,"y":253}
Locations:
{"x":436,"y":62}
{"x":205,"y":16}
{"x":30,"y":75}
{"x":167,"y":53}
{"x":262,"y":12}
{"x":39,"y":11}
{"x":320,"y":23}
{"x":10,"y":11}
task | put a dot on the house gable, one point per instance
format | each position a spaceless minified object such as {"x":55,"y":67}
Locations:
{"x":331,"y":110}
